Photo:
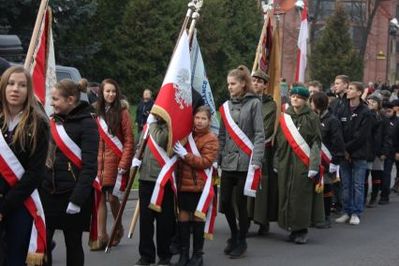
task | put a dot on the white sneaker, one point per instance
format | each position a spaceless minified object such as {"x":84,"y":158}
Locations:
{"x":354,"y":220}
{"x":343,"y":219}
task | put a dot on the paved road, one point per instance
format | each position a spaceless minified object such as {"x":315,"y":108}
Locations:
{"x":374,"y":242}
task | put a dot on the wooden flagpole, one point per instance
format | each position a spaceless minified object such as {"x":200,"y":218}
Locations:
{"x":33,"y":40}
{"x":133,"y":171}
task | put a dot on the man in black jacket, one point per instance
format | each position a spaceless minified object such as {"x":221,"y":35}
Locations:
{"x":354,"y":117}
{"x":143,"y":109}
{"x":341,"y":84}
{"x":389,"y":150}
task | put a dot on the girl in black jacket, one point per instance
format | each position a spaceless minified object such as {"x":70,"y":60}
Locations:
{"x":24,"y":136}
{"x":331,"y":136}
{"x":68,"y":187}
{"x":375,"y":152}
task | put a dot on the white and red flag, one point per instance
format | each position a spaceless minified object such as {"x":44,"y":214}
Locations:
{"x":302,"y":46}
{"x":174,"y":101}
{"x":42,"y":66}
{"x":201,"y":84}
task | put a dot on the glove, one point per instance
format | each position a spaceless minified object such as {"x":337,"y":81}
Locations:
{"x":180,"y":150}
{"x":332,"y":168}
{"x":275,"y":170}
{"x":72,"y":208}
{"x":151,"y":119}
{"x":255,"y":167}
{"x":136,"y":163}
{"x":121,"y":171}
{"x":312,"y":173}
{"x":215,"y":165}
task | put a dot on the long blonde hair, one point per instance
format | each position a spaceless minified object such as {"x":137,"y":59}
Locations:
{"x":26,"y":132}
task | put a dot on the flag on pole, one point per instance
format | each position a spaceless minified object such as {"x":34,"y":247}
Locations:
{"x":42,"y":67}
{"x":302,"y":47}
{"x":264,"y":58}
{"x":174,"y":101}
{"x":200,"y":82}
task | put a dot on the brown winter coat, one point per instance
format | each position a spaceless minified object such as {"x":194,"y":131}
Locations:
{"x":108,"y":162}
{"x":187,"y":169}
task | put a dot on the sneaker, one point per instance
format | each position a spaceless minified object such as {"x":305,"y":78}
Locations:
{"x":354,"y":220}
{"x":372,"y":203}
{"x":164,"y":262}
{"x":301,"y":238}
{"x":383,"y":202}
{"x":343,"y":219}
{"x":143,"y":262}
{"x":324,"y":225}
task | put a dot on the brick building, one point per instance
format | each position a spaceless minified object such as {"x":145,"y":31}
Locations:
{"x":378,"y":53}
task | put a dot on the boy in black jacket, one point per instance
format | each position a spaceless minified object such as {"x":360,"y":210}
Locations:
{"x":354,"y":117}
{"x":389,"y":150}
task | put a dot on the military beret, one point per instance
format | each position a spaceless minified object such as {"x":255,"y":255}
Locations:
{"x":301,"y":91}
{"x":260,"y":74}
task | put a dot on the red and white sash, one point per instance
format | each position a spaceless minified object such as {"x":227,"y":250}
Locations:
{"x":245,"y":144}
{"x":167,"y":174}
{"x":73,"y":152}
{"x":297,"y":142}
{"x":12,"y":171}
{"x":211,"y":218}
{"x":117,"y":147}
{"x":325,"y":155}
{"x":206,"y":174}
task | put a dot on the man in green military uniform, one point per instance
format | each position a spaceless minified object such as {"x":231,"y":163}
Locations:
{"x":298,"y":143}
{"x":263,"y":208}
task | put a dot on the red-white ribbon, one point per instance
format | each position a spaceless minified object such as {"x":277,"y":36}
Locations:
{"x":117,"y":147}
{"x":112,"y":141}
{"x":325,"y":155}
{"x":297,"y":142}
{"x":211,"y":218}
{"x":245,"y":144}
{"x":12,"y":171}
{"x":167,"y":174}
{"x":284,"y":107}
{"x":73,"y":152}
{"x":206,"y":174}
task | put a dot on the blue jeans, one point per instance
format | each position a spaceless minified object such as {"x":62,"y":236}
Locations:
{"x":352,"y":175}
{"x":386,"y":181}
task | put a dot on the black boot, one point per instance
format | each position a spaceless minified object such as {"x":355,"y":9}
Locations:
{"x":231,"y":243}
{"x":198,"y":245}
{"x":184,"y":232}
{"x":240,"y":249}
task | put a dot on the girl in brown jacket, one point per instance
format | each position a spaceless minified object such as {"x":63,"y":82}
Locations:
{"x":115,"y":153}
{"x":191,"y":184}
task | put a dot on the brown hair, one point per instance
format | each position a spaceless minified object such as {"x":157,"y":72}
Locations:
{"x":69,"y":88}
{"x":358,"y":85}
{"x":315,"y":83}
{"x":320,"y":101}
{"x":113,"y":115}
{"x":344,"y":78}
{"x":242,"y":74}
{"x":205,"y":109}
{"x":26,"y":134}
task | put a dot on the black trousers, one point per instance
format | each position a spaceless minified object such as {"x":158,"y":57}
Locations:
{"x":17,"y":228}
{"x":165,"y":223}
{"x":73,"y":244}
{"x":229,"y":181}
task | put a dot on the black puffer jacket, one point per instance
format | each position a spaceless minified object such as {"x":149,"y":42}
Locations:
{"x":331,"y":136}
{"x":390,"y":125}
{"x":65,"y":177}
{"x":34,"y":165}
{"x":356,"y":128}
{"x":376,"y":137}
